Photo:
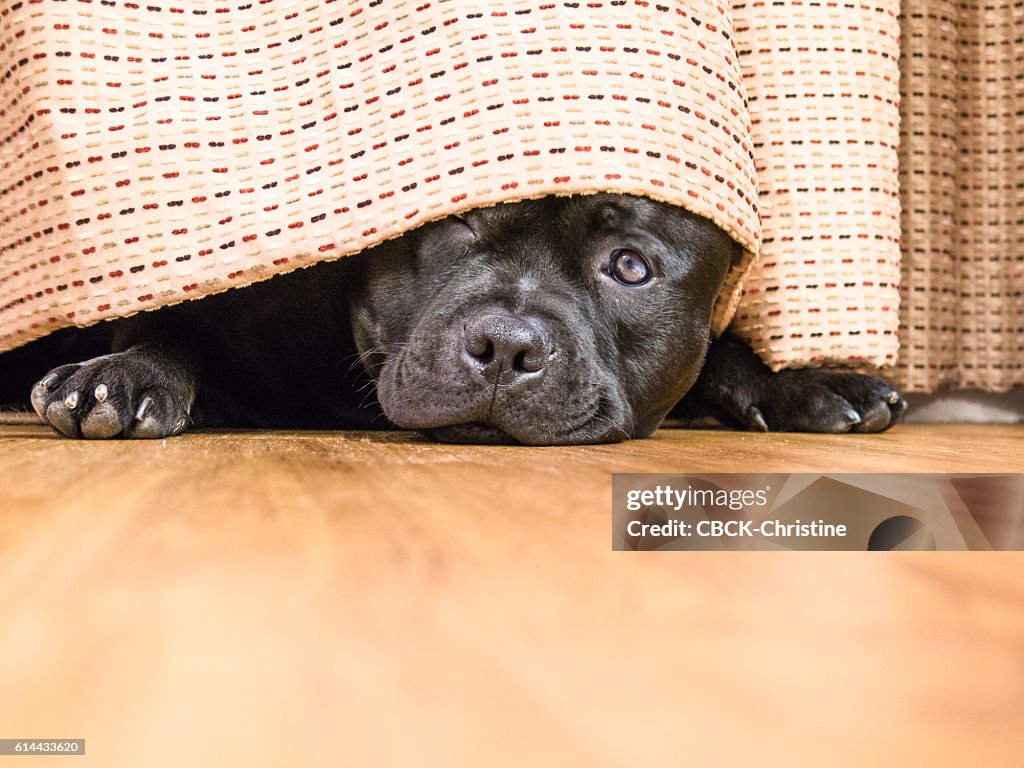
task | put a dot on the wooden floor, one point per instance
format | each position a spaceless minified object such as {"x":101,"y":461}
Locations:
{"x":370,"y":599}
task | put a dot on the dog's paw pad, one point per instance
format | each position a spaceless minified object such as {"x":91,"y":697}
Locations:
{"x":103,"y":422}
{"x":155,"y":417}
{"x":42,"y":392}
{"x":874,"y":417}
{"x":61,"y":418}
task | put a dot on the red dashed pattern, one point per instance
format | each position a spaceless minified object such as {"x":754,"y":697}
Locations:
{"x":154,"y":152}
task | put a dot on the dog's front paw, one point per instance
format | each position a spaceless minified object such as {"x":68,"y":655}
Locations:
{"x":815,"y":401}
{"x":134,"y":394}
{"x":741,"y":391}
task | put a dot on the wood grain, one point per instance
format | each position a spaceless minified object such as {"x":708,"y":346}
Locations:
{"x":373,"y":599}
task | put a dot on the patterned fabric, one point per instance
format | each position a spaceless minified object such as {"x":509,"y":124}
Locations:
{"x":822,"y":81}
{"x":156,"y":152}
{"x":961,"y":173}
{"x":153,"y":153}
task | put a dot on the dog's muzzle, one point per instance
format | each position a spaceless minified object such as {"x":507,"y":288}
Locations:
{"x":500,"y":377}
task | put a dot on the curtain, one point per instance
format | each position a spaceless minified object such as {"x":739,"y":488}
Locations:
{"x":962,"y":183}
{"x":137,"y":177}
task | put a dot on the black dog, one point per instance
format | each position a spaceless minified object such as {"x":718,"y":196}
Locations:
{"x":555,"y":321}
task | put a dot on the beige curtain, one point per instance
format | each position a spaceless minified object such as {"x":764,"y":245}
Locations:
{"x":962,"y":184}
{"x":844,"y":111}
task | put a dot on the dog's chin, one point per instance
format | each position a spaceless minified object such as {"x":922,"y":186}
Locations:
{"x":479,"y":433}
{"x":606,"y":423}
{"x":473,"y":433}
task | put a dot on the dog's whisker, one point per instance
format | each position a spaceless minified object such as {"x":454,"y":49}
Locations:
{"x":387,"y":350}
{"x":357,"y":358}
{"x":379,"y":417}
{"x":367,"y":399}
{"x":388,"y":347}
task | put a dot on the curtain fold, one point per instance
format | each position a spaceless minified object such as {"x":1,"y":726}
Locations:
{"x":962,"y":183}
{"x":822,"y":81}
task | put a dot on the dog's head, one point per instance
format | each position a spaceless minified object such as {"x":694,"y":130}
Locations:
{"x":554,"y":321}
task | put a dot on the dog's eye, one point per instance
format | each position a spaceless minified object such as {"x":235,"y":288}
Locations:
{"x":629,"y":267}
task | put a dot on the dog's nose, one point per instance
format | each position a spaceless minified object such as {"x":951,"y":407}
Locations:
{"x":498,"y":344}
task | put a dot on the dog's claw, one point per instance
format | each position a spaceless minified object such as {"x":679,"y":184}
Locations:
{"x":756,"y":419}
{"x":71,"y":401}
{"x":143,"y":408}
{"x":852,"y":417}
{"x":100,"y":393}
{"x":893,"y":397}
{"x":48,"y":381}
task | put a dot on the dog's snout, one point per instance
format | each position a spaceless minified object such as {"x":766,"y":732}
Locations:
{"x":505,"y":346}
